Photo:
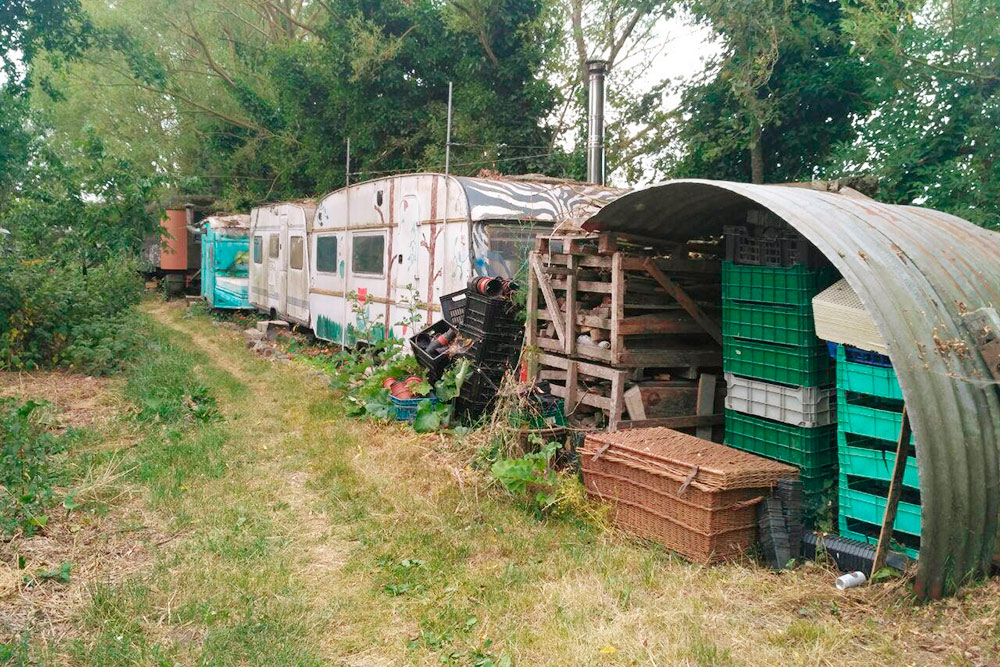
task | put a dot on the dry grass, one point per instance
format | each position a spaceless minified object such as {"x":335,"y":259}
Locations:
{"x":311,"y":538}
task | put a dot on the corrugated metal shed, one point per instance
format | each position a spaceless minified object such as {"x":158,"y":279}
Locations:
{"x":918,"y":272}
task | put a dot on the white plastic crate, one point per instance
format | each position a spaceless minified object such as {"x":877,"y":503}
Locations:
{"x":798,"y":406}
{"x":840,"y":317}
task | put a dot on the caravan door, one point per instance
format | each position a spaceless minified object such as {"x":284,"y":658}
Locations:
{"x":282,"y":296}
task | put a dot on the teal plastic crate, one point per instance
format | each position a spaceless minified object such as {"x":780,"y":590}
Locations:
{"x":799,"y":366}
{"x":870,"y":508}
{"x":770,"y":323}
{"x":872,"y":462}
{"x":872,"y":540}
{"x":812,"y":448}
{"x":794,"y":285}
{"x":866,"y":379}
{"x":868,"y":421}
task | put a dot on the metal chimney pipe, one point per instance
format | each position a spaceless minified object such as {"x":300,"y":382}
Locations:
{"x":596,"y":69}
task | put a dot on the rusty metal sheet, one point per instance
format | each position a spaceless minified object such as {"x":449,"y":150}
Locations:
{"x":917,"y":272}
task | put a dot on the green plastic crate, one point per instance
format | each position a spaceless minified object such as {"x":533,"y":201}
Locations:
{"x":870,"y":508}
{"x":872,"y":540}
{"x":866,"y":379}
{"x":873,"y":463}
{"x":770,"y":323}
{"x":812,"y":448}
{"x":794,"y":285}
{"x":785,"y":364}
{"x":868,"y":421}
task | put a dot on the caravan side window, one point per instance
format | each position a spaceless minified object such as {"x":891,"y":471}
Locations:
{"x":258,"y":249}
{"x":295,"y":252}
{"x":272,"y":246}
{"x":326,"y":254}
{"x":368,"y":254}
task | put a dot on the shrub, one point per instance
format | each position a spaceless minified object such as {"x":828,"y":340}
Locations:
{"x":26,"y":471}
{"x":58,"y":314}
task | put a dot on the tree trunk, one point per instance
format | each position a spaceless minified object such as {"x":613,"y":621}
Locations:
{"x":756,"y":153}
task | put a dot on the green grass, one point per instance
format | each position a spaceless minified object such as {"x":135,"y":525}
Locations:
{"x":284,"y":533}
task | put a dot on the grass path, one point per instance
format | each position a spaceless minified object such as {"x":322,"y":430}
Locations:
{"x":299,"y":536}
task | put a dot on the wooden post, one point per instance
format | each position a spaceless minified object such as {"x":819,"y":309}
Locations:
{"x":572,"y":388}
{"x":617,"y":306}
{"x":569,"y":345}
{"x":892,"y":502}
{"x":531,"y":326}
{"x":617,"y":400}
{"x":705,"y":403}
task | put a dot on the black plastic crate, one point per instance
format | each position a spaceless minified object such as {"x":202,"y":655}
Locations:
{"x":453,"y":307}
{"x":849,"y":555}
{"x":491,"y":315}
{"x":437,"y":362}
{"x":491,"y":353}
{"x":770,"y":246}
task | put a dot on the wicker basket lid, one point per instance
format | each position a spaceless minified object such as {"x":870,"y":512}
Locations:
{"x":677,"y":455}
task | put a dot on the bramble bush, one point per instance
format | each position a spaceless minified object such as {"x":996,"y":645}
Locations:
{"x":26,"y":471}
{"x":56,"y":313}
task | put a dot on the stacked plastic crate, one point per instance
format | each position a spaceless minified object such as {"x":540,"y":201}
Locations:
{"x":869,"y":418}
{"x":779,"y":375}
{"x":869,"y":409}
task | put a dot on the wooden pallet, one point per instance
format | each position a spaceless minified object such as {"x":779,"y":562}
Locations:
{"x":652,"y":312}
{"x":628,"y":401}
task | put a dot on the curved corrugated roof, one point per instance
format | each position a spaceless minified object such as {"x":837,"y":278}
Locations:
{"x":917,"y":271}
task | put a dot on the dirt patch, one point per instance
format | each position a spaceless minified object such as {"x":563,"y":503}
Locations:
{"x":98,"y":550}
{"x":79,"y":400}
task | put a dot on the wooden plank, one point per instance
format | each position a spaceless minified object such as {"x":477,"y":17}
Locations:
{"x":588,"y":398}
{"x":687,"y":302}
{"x":659,"y":323}
{"x":585,"y":261}
{"x":570,"y":322}
{"x":671,"y":358}
{"x":554,"y":360}
{"x":550,"y":344}
{"x":584,"y":286}
{"x":617,"y":304}
{"x":531,"y":333}
{"x":677,"y":265}
{"x":706,"y":402}
{"x":584,"y":368}
{"x":892,"y":500}
{"x":551,"y":304}
{"x":693,"y":421}
{"x":634,"y":403}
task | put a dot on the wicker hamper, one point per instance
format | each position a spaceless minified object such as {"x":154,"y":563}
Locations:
{"x":693,"y":496}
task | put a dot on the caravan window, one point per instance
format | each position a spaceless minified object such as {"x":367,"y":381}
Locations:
{"x":326,"y":254}
{"x":368,"y":254}
{"x":258,"y":249}
{"x":295,"y":252}
{"x":272,"y":246}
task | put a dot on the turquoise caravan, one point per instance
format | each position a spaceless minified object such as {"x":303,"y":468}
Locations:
{"x":225,"y":245}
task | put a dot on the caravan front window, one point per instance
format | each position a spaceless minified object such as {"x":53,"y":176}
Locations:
{"x":368,"y":254}
{"x":326,"y":254}
{"x":272,"y":246}
{"x":295,"y":252}
{"x":507,"y":247}
{"x":258,"y":249}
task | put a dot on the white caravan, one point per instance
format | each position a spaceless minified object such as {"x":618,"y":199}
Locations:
{"x":279,"y":260}
{"x":397,"y":244}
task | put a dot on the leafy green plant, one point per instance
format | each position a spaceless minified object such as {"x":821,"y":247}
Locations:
{"x":26,"y":471}
{"x":530,"y":476}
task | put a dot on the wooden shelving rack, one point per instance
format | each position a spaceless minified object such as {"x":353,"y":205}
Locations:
{"x":647,"y":310}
